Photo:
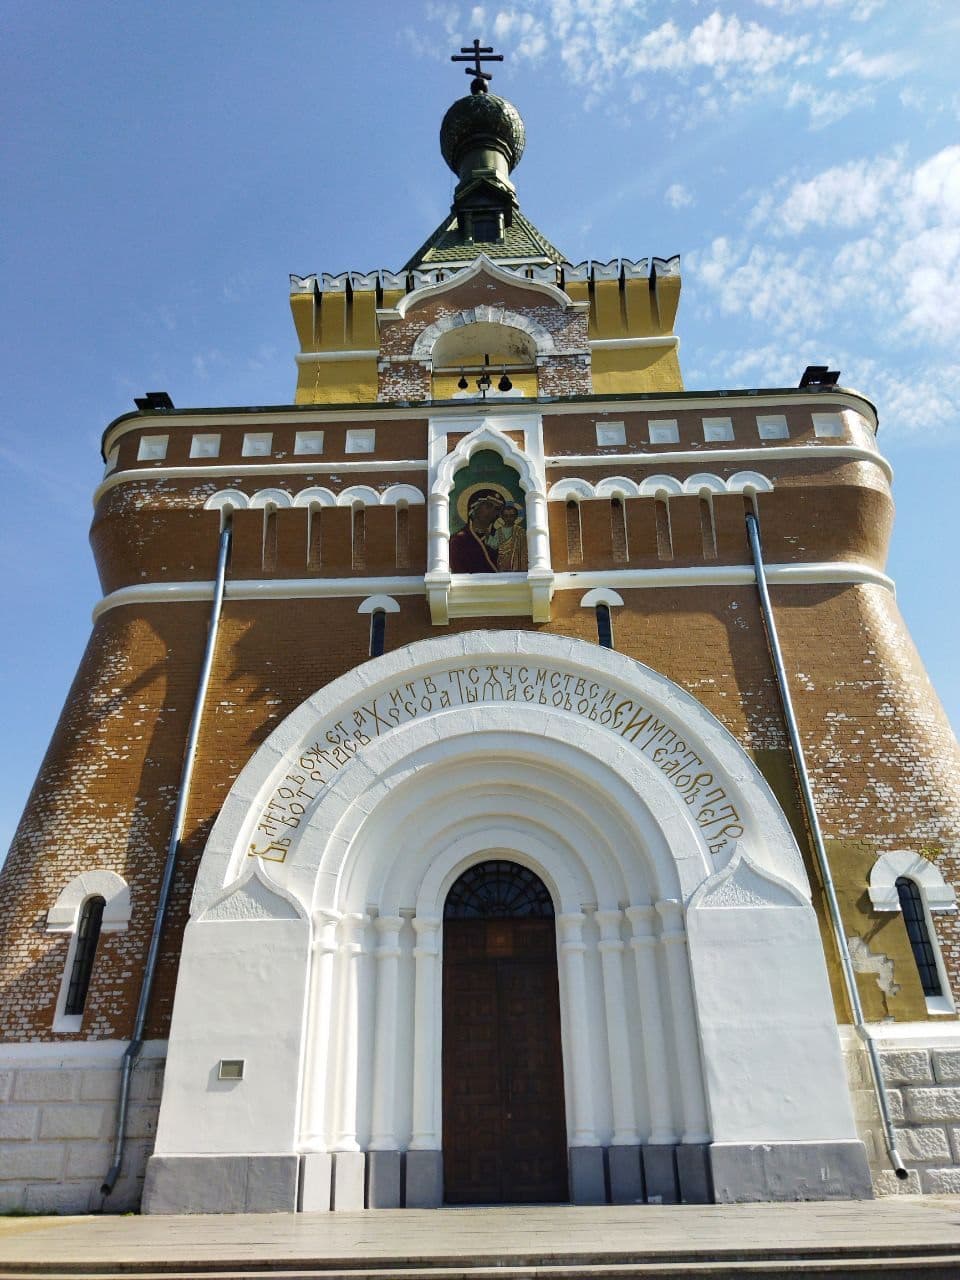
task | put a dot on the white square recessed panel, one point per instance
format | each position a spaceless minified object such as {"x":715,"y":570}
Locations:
{"x":308,"y":442}
{"x":772,"y":426}
{"x":609,"y":433}
{"x":664,"y":431}
{"x":152,"y":448}
{"x":361,"y":440}
{"x":205,"y":446}
{"x":717,"y":429}
{"x":257,"y":444}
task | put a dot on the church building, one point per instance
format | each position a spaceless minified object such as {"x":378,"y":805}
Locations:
{"x":499,"y":775}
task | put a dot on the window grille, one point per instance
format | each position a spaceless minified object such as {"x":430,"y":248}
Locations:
{"x":604,"y":627}
{"x":914,"y":917}
{"x":88,"y":934}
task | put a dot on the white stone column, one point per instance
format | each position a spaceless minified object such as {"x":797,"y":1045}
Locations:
{"x":618,"y":1041}
{"x":383,"y":1132}
{"x":426,"y":1036}
{"x":349,"y":957}
{"x":572,"y":949}
{"x":538,"y":533}
{"x":320,"y":1068}
{"x":695,"y":1124}
{"x":438,"y":533}
{"x":655,"y":1056}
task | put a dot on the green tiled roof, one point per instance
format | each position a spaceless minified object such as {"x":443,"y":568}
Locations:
{"x":520,"y":240}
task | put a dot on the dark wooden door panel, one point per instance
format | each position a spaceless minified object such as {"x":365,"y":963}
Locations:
{"x":504,"y":1136}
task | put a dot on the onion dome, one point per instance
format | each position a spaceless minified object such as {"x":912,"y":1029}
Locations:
{"x":481,"y":122}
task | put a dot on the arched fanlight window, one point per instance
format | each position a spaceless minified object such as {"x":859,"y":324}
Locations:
{"x":498,"y":890}
{"x":914,"y":917}
{"x":88,"y":934}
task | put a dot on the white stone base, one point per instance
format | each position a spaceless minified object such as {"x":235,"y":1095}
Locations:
{"x":58,"y":1115}
{"x":921,"y":1067}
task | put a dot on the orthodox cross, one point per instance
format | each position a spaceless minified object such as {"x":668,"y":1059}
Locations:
{"x":477,"y":53}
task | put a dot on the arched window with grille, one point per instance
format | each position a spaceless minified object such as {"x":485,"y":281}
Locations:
{"x":378,"y":632}
{"x":85,"y":950}
{"x":915,"y":920}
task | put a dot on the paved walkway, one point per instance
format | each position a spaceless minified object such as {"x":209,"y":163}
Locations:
{"x":389,"y":1240}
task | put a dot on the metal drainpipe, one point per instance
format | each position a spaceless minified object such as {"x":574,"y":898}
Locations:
{"x":132,"y":1051}
{"x":769,"y":622}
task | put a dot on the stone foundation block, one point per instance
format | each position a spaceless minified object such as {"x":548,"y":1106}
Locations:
{"x":930,"y":1106}
{"x":946,"y":1065}
{"x":45,"y":1086}
{"x":91,"y":1160}
{"x":748,"y":1172}
{"x":906,"y":1066}
{"x":69,"y":1198}
{"x":587,"y":1182}
{"x":6,"y":1085}
{"x":693,"y":1174}
{"x":928,"y":1143}
{"x":423,"y":1179}
{"x":886,"y":1183}
{"x":19,"y":1122}
{"x":941,"y":1182}
{"x":383,"y":1179}
{"x":349,"y":1170}
{"x":99,"y":1086}
{"x":74,"y":1121}
{"x":660,"y":1174}
{"x":221,"y":1184}
{"x":316,"y":1172}
{"x":625,"y":1168}
{"x":27,"y":1161}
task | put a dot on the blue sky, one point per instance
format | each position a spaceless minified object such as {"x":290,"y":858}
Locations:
{"x":166,"y":165}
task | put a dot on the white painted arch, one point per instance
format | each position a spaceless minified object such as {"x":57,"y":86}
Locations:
{"x":665,"y":936}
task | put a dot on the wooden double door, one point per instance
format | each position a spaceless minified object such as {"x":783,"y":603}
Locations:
{"x":504,"y":1130}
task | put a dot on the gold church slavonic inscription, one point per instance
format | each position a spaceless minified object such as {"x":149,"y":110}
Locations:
{"x":653,"y":736}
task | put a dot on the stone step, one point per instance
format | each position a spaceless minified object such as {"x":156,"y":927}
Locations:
{"x":932,"y":1264}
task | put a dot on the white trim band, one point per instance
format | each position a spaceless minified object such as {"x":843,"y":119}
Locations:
{"x":691,"y":457}
{"x":617,"y":344}
{"x":319,"y":465}
{"x":315,"y":357}
{"x":828,"y":573}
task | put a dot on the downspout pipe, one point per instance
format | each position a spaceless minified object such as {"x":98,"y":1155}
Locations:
{"x":813,"y":821}
{"x":135,"y":1045}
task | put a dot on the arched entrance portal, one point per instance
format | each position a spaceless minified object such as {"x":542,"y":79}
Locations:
{"x":700,"y":1049}
{"x":504,"y":1134}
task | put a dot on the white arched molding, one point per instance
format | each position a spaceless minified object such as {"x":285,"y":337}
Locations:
{"x":374,"y":603}
{"x":488,"y":594}
{"x":65,"y":912}
{"x":315,"y":496}
{"x":358,"y":495}
{"x":660,"y":487}
{"x":889,"y":867}
{"x":703,"y":481}
{"x":270,"y":498}
{"x":617,"y":487}
{"x":226,"y":501}
{"x":571,"y":488}
{"x":398,"y":494}
{"x":749,"y":482}
{"x":372,"y":797}
{"x":601,"y":595}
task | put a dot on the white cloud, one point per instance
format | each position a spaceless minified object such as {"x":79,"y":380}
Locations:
{"x":878,"y":266}
{"x":677,"y":196}
{"x":882,"y":67}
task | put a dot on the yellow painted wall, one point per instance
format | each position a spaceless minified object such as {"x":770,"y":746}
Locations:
{"x":620,"y":370}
